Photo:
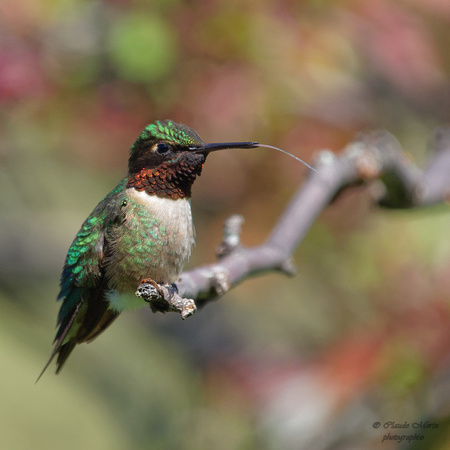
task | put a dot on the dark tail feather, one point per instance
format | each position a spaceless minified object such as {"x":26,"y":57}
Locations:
{"x":63,"y":350}
{"x":63,"y":353}
{"x":105,"y":319}
{"x":93,"y":321}
{"x":55,"y":350}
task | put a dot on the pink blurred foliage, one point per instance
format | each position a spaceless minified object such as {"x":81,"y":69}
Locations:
{"x":226,"y":98}
{"x":21,"y":73}
{"x":398,"y":46}
{"x":103,"y":127}
{"x":438,"y":8}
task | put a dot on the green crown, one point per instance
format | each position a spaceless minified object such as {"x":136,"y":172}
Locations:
{"x":169,"y":131}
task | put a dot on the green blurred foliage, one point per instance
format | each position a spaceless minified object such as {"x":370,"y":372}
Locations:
{"x":143,"y":48}
{"x":359,"y":335}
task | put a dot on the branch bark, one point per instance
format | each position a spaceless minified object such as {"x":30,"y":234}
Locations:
{"x":372,"y":157}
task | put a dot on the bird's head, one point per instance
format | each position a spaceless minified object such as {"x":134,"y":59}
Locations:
{"x":167,"y":157}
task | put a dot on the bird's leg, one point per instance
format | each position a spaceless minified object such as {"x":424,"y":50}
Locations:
{"x":164,"y":297}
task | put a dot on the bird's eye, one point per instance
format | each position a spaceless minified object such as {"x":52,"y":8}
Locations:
{"x":162,"y":148}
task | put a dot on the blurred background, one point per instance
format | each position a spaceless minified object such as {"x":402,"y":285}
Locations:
{"x":359,"y":336}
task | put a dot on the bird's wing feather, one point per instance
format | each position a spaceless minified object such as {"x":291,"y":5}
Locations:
{"x":84,"y":312}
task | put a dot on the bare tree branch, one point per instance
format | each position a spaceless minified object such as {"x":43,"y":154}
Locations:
{"x":372,"y":157}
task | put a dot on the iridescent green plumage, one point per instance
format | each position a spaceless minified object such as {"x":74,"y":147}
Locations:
{"x":81,"y":267}
{"x":169,"y":131}
{"x":82,"y":278}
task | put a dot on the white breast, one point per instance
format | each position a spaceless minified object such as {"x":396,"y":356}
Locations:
{"x":154,"y":242}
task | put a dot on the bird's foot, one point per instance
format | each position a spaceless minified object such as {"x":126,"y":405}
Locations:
{"x":164,"y":297}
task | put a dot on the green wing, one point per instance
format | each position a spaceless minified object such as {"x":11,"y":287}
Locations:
{"x":84,"y":312}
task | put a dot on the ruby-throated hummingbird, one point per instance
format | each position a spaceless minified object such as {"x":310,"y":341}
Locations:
{"x":141,"y":230}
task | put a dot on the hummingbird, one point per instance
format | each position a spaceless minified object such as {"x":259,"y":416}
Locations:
{"x":142,"y":230}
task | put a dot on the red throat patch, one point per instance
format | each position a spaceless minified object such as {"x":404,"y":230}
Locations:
{"x":167,"y":180}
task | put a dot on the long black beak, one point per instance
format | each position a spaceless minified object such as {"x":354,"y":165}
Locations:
{"x":206,"y":148}
{"x":223,"y":146}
